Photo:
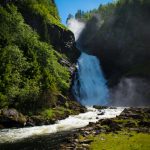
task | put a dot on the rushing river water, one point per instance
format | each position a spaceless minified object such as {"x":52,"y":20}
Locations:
{"x":70,"y":123}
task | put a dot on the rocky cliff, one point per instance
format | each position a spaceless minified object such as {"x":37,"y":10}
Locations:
{"x":118,"y":34}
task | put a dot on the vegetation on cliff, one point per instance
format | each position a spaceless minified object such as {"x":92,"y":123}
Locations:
{"x":32,"y":77}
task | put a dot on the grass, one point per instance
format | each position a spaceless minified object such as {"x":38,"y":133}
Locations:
{"x":121,"y":141}
{"x":124,"y":121}
{"x":62,"y":110}
{"x":55,"y":112}
{"x":47,"y":113}
{"x":44,"y":12}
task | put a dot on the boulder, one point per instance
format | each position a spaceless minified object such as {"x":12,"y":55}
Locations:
{"x":101,"y":113}
{"x":111,"y":124}
{"x":86,"y":141}
{"x":12,"y":118}
{"x":39,"y":121}
{"x":134,"y":113}
{"x":100,"y":107}
{"x":144,"y":124}
{"x":130,"y":125}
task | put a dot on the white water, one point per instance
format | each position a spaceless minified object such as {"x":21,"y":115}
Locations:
{"x":90,"y":85}
{"x":72,"y":122}
{"x":76,"y":27}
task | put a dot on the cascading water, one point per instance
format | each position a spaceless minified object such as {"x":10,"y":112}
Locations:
{"x":90,"y":85}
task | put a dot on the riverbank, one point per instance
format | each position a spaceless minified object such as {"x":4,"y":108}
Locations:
{"x":130,"y":130}
{"x":30,"y":135}
{"x":103,"y":128}
{"x":12,"y":118}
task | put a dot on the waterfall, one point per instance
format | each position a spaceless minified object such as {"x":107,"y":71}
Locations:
{"x":90,"y":85}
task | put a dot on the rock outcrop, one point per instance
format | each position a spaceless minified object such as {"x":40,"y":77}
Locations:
{"x":11,"y":118}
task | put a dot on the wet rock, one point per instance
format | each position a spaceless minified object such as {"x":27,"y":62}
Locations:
{"x":101,"y":113}
{"x":130,"y":125}
{"x":38,"y":121}
{"x":134,"y":113}
{"x":30,"y":122}
{"x":111,"y":124}
{"x":80,"y":148}
{"x":112,"y":107}
{"x":144,"y":124}
{"x":103,"y":130}
{"x":97,"y":132}
{"x":1,"y":126}
{"x":76,"y":140}
{"x":85,"y":145}
{"x":86,"y":141}
{"x":100,"y":107}
{"x":147,"y":110}
{"x":136,"y":116}
{"x":98,"y":126}
{"x":106,"y":122}
{"x":12,"y":118}
{"x":91,"y":123}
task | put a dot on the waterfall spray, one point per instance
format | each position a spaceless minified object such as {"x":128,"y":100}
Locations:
{"x":90,"y":85}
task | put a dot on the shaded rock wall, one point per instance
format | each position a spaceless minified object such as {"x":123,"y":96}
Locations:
{"x":121,"y":41}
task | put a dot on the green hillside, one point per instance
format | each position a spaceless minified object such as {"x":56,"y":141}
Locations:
{"x":32,"y":77}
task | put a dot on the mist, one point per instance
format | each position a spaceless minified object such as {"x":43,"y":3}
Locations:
{"x":76,"y":27}
{"x":130,"y":92}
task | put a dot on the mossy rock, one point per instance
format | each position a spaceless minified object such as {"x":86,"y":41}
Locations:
{"x":12,"y":118}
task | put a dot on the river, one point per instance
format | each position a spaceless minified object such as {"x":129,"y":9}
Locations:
{"x":45,"y":134}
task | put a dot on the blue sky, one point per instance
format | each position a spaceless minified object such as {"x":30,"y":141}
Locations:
{"x":71,"y":6}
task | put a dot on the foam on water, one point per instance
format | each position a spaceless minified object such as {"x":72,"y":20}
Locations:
{"x":72,"y":122}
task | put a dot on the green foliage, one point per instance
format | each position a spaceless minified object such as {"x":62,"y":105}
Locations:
{"x":106,"y":11}
{"x":84,"y":16}
{"x":44,"y":8}
{"x":29,"y":68}
{"x":48,"y":113}
{"x":56,"y":112}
